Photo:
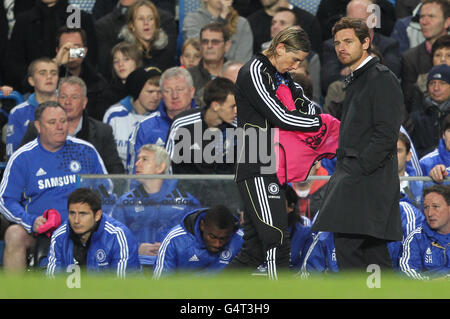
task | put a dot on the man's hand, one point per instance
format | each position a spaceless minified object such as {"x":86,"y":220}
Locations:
{"x":6,"y":90}
{"x":438,"y":173}
{"x":149,"y":249}
{"x":62,"y":57}
{"x":38,"y":222}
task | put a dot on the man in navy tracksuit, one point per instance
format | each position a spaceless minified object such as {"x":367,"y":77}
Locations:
{"x":204,"y":242}
{"x":155,"y":206}
{"x":321,"y":254}
{"x":91,"y":239}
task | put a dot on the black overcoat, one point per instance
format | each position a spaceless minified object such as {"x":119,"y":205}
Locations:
{"x":362,"y":196}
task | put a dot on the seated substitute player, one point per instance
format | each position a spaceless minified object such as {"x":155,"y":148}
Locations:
{"x":40,"y":175}
{"x":425,"y":250}
{"x":201,"y":140}
{"x":92,"y":239}
{"x":204,"y":242}
{"x":321,"y":254}
{"x":155,"y":206}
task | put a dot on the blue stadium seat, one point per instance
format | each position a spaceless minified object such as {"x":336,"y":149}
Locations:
{"x":309,"y":5}
{"x":185,"y":6}
{"x":14,"y":96}
{"x":85,"y":5}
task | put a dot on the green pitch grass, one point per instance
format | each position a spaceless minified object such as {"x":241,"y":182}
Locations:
{"x":236,"y":286}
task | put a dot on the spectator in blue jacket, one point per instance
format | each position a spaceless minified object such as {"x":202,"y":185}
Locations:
{"x":92,"y":239}
{"x":425,"y":250}
{"x":205,"y":242}
{"x":143,"y":100}
{"x":43,"y":76}
{"x":155,"y":206}
{"x":177,"y":88}
{"x":435,"y":163}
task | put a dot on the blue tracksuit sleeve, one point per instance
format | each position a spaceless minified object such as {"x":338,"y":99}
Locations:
{"x":411,"y":260}
{"x":12,"y":187}
{"x":126,"y":257}
{"x":55,"y":253}
{"x":321,"y":256}
{"x":15,"y":133}
{"x":133,"y":148}
{"x":166,"y":261}
{"x":315,"y":258}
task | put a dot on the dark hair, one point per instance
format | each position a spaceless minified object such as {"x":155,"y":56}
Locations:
{"x":66,"y":29}
{"x":283,"y":9}
{"x":217,"y":90}
{"x":445,"y":124}
{"x":441,"y":42}
{"x":87,"y":196}
{"x":221,"y":217}
{"x":216,"y":27}
{"x":43,"y":106}
{"x":360,"y":27}
{"x":405,"y":140}
{"x":292,"y":200}
{"x":443,"y":190}
{"x":445,"y":6}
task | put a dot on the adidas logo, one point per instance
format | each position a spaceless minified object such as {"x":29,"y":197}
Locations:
{"x":428,"y":252}
{"x":160,"y":142}
{"x":194,"y":258}
{"x":41,"y":172}
{"x":195,"y":146}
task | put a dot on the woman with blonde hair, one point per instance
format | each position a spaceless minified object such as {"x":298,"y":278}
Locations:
{"x":144,"y":31}
{"x":222,"y":11}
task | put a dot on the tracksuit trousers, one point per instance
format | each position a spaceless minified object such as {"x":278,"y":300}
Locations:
{"x":266,"y":235}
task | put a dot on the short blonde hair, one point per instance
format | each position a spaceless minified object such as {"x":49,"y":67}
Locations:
{"x":161,"y":155}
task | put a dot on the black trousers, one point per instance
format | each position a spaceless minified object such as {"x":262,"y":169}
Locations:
{"x":356,"y":252}
{"x":266,"y":235}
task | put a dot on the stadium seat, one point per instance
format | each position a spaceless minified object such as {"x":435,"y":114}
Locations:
{"x":309,"y":5}
{"x":185,"y":6}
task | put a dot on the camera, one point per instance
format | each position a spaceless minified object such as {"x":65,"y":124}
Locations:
{"x":77,"y":53}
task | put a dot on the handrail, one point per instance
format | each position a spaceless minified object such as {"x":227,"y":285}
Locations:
{"x":225,"y":177}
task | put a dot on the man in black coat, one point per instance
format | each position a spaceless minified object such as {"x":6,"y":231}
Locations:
{"x":34,"y":35}
{"x":361,"y":204}
{"x":72,"y":97}
{"x":76,"y":38}
{"x":261,"y":20}
{"x":333,"y":70}
{"x":435,"y":22}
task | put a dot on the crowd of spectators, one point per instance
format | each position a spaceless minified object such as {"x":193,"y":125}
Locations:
{"x":112,"y":85}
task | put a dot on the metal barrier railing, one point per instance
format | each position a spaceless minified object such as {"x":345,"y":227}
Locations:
{"x":224,"y":177}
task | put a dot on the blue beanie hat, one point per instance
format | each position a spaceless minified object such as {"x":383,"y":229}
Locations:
{"x":439,"y":72}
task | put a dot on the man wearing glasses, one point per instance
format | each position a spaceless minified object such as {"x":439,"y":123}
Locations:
{"x":215,"y":43}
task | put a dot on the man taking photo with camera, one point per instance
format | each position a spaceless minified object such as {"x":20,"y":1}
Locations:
{"x":71,"y":52}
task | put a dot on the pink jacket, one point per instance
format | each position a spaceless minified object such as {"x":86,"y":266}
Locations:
{"x":295,"y":151}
